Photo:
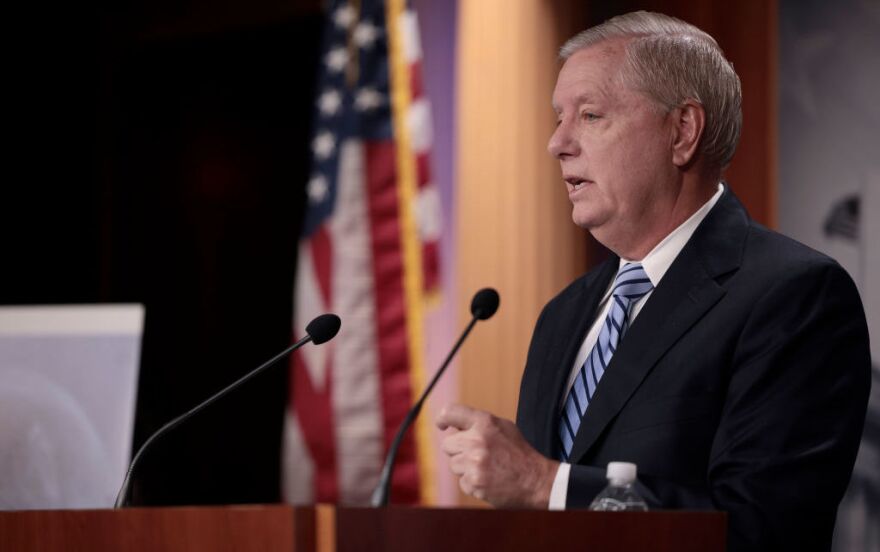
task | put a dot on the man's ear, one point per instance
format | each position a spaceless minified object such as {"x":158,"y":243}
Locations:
{"x":689,"y":122}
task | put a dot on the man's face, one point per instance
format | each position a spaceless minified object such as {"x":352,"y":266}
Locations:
{"x":613,"y":145}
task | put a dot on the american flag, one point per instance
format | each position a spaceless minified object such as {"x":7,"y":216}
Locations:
{"x":368,"y":253}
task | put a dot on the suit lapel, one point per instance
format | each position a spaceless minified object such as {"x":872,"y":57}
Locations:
{"x":688,"y":290}
{"x":571,"y":328}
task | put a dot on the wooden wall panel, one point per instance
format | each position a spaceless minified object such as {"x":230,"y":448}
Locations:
{"x":747,"y":31}
{"x":514,"y":217}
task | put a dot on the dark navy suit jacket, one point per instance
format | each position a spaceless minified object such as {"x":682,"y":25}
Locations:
{"x":741,"y":386}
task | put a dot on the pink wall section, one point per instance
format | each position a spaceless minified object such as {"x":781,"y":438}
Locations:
{"x":437,"y":22}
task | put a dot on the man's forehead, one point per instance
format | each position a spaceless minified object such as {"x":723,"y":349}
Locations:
{"x":585,"y":97}
{"x":608,"y":53}
{"x":608,"y":48}
{"x":590,"y":74}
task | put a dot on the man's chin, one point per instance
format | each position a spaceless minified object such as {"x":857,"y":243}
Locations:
{"x":585,"y":220}
{"x":600,"y":229}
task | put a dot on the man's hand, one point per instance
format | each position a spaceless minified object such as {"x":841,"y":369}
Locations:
{"x":493,"y":461}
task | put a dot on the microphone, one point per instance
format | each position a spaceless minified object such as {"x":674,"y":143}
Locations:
{"x":320,"y":330}
{"x":483,"y":306}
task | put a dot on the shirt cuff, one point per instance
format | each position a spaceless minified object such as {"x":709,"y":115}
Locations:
{"x":559,"y":490}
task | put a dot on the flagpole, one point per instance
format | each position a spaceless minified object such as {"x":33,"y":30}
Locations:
{"x":407,"y":189}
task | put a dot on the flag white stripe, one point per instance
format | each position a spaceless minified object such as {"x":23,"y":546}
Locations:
{"x":297,"y":484}
{"x":419,"y":121}
{"x":412,"y":44}
{"x":357,"y":395}
{"x":309,"y":304}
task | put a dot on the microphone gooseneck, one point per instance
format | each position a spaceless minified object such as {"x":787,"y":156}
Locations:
{"x":320,"y":330}
{"x":483,"y":306}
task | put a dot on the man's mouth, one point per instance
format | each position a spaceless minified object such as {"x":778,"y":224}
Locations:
{"x":575,"y":183}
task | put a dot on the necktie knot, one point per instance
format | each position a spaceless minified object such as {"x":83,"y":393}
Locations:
{"x":631,"y":283}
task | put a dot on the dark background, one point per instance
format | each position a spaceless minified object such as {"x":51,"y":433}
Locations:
{"x":159,"y":154}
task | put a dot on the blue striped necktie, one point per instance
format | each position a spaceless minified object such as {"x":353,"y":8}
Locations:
{"x":631,"y":284}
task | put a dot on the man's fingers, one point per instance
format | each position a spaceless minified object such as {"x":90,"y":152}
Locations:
{"x":465,"y":486}
{"x":461,"y":441}
{"x":452,"y":444}
{"x":457,"y":416}
{"x":458,"y":465}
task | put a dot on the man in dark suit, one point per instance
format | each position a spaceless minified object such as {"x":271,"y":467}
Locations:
{"x":728,"y":362}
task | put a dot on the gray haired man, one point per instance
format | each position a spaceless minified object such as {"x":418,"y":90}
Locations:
{"x":728,"y":362}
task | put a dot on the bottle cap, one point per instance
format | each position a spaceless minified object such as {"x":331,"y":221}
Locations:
{"x":624,"y":472}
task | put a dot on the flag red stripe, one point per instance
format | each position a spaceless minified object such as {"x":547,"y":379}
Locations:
{"x":321,"y":248}
{"x":416,"y":84}
{"x":314,"y":407}
{"x":313,"y":403}
{"x":431,"y":265}
{"x":423,"y":169}
{"x":391,"y":329}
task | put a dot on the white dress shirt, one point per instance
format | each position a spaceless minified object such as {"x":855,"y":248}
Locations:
{"x":655,"y":264}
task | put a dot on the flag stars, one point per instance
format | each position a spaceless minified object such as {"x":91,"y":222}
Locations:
{"x":317,"y":189}
{"x":365,"y":34}
{"x":329,"y":102}
{"x":323,"y":145}
{"x":344,"y":16}
{"x":367,"y":99}
{"x":336,"y":59}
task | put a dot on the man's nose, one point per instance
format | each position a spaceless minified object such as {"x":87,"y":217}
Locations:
{"x":561,"y":142}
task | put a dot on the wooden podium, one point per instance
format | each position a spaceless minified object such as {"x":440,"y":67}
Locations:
{"x":277,"y":528}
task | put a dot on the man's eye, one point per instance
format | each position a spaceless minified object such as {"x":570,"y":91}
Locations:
{"x":588,"y":116}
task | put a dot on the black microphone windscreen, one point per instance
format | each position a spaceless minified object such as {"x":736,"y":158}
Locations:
{"x":485,"y":303}
{"x":323,"y":328}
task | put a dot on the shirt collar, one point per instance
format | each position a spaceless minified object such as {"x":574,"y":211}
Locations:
{"x":658,"y":261}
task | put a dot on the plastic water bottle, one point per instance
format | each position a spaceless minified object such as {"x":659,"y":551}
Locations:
{"x":619,"y":495}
